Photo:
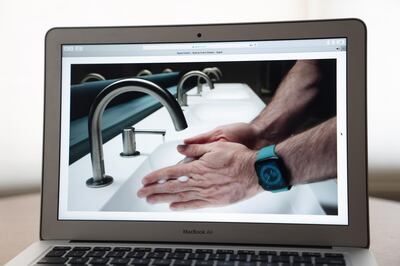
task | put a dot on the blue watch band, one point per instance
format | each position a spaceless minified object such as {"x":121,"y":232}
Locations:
{"x":267,"y":155}
{"x":266,"y":152}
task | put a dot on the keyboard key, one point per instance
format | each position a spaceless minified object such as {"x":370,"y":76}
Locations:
{"x":224,"y":251}
{"x":197,"y":256}
{"x":102,"y":248}
{"x":99,"y":261}
{"x":61,"y":248}
{"x":238,"y":257}
{"x":126,"y":249}
{"x":115,"y":254}
{"x":182,"y":263}
{"x":225,"y":263}
{"x":297,"y":259}
{"x":155,"y":255}
{"x":96,"y":254}
{"x":266,"y":252}
{"x":166,"y":250}
{"x":311,"y":254}
{"x":81,"y":248}
{"x":183,"y":250}
{"x":136,"y":254}
{"x":246,"y":263}
{"x":56,"y":253}
{"x":73,"y":253}
{"x":177,"y":256}
{"x":120,"y":261}
{"x":259,"y":258}
{"x":269,"y":264}
{"x":162,"y":262}
{"x":78,"y":260}
{"x":280,"y":259}
{"x":289,"y":253}
{"x":142,"y":249}
{"x":246,"y":252}
{"x":217,"y":257}
{"x":140,"y":262}
{"x":337,"y":261}
{"x":204,"y":263}
{"x":52,"y":260}
{"x":203,"y":250}
{"x":334,"y":255}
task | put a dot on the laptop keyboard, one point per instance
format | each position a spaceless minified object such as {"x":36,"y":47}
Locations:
{"x":145,"y":256}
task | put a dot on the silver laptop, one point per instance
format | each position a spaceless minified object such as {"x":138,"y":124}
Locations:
{"x":205,"y":145}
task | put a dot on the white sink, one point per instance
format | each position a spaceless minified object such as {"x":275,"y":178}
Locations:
{"x":125,"y":199}
{"x":226,"y":91}
{"x":222,"y":112}
{"x":299,"y":200}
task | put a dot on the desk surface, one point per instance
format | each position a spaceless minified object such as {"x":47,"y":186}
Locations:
{"x":19,"y":221}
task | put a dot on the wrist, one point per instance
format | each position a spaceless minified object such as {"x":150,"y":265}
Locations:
{"x":270,"y":131}
{"x":283,"y":153}
{"x":253,"y":178}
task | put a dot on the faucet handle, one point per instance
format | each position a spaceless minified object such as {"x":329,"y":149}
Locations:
{"x":129,"y":140}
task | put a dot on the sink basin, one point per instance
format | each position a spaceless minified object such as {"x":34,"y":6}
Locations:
{"x":234,"y":91}
{"x":299,"y":200}
{"x":125,"y":198}
{"x":220,"y":112}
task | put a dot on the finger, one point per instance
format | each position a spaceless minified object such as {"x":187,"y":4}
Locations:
{"x":193,"y":150}
{"x":189,"y":205}
{"x":173,"y":197}
{"x":170,"y":172}
{"x":172,"y":186}
{"x":202,"y":138}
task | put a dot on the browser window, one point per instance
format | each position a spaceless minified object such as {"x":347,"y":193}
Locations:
{"x":246,"y":132}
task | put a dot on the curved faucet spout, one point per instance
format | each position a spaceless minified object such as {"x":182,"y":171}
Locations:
{"x":213,"y":71}
{"x":92,"y":76}
{"x":182,"y":97}
{"x":100,"y":179}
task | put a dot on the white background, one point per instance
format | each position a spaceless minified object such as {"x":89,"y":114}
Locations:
{"x":23,"y":25}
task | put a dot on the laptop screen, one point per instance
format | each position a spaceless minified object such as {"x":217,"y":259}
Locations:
{"x":240,"y":132}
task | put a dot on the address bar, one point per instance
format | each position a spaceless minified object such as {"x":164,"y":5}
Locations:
{"x":186,"y":46}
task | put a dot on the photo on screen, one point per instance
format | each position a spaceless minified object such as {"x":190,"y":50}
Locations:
{"x":153,"y":166}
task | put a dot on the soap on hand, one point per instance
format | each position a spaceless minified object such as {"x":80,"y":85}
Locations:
{"x":180,"y":179}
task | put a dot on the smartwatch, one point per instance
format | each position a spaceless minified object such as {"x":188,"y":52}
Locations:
{"x":271,"y":171}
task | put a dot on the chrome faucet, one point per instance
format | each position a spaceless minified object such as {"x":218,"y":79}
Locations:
{"x":94,"y":76}
{"x":144,"y":72}
{"x":182,"y":97}
{"x":218,"y":71}
{"x":100,"y":179}
{"x":213,"y":71}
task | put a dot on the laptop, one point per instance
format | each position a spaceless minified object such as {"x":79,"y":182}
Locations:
{"x":205,"y":145}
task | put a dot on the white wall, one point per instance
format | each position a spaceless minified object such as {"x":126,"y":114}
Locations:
{"x":383,"y":69}
{"x":382,"y":19}
{"x":23,"y":25}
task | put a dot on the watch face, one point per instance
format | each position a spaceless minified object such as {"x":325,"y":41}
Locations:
{"x":270,"y":175}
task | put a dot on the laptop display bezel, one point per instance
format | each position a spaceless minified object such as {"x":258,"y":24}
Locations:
{"x":354,"y":234}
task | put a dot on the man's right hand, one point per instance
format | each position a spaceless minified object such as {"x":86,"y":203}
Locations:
{"x":244,"y":133}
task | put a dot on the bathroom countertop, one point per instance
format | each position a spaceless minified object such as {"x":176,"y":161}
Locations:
{"x":20,"y":227}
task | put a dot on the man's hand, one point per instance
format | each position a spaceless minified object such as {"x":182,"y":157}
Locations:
{"x":244,"y":133}
{"x":223,"y":173}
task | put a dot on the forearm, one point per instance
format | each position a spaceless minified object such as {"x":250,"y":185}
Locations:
{"x":289,"y":105}
{"x":311,"y":155}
